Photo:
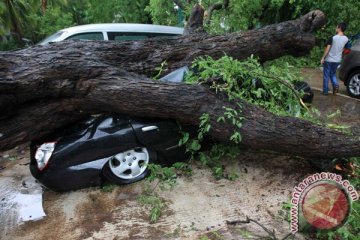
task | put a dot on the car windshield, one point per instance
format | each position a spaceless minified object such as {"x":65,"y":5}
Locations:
{"x":52,"y":37}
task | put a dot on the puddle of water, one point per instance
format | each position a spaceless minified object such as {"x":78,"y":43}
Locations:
{"x":29,"y":206}
{"x":20,"y":201}
{"x":349,"y":108}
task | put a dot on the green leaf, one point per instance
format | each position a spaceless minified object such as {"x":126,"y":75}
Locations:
{"x":195,"y":145}
{"x":221,"y":119}
{"x":184,"y":139}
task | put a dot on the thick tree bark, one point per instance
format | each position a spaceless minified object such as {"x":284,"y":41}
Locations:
{"x":113,"y":90}
{"x":195,"y":22}
{"x":46,"y":87}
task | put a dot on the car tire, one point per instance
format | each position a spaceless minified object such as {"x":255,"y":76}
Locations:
{"x":353,"y":84}
{"x":129,"y":166}
{"x":308,"y":92}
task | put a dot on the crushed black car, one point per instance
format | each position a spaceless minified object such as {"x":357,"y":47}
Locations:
{"x":108,"y":147}
{"x":112,"y":147}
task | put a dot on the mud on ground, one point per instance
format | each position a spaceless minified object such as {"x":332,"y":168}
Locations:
{"x":198,"y":205}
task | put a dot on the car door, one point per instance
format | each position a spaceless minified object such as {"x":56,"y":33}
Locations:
{"x":162,"y":136}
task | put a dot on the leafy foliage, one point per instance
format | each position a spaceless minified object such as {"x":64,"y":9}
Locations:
{"x":167,"y":175}
{"x":154,"y":203}
{"x":164,"y":15}
{"x":50,"y":21}
{"x":32,"y":20}
{"x":233,"y":116}
{"x":215,"y":157}
{"x":245,"y":15}
{"x":116,"y":11}
{"x":13,"y":16}
{"x":193,"y":145}
{"x":269,"y":87}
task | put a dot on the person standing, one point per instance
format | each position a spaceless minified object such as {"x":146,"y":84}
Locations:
{"x":332,"y":58}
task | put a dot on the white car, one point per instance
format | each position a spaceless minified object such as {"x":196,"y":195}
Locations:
{"x":113,"y":31}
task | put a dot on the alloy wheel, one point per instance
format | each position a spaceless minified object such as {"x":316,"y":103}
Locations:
{"x":130,"y":164}
{"x":354,"y":85}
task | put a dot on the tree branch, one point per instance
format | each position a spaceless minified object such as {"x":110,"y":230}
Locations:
{"x":269,"y":232}
{"x":196,"y":20}
{"x":216,"y":6}
{"x":248,"y":220}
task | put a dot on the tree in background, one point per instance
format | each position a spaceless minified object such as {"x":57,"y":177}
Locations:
{"x":2,"y":22}
{"x":164,"y":15}
{"x":49,"y":18}
{"x":35,"y":19}
{"x":118,"y":11}
{"x":14,"y":14}
{"x":241,"y":15}
{"x":45,"y":3}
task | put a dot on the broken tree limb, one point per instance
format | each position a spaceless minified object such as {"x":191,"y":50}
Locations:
{"x":38,"y":66}
{"x":213,"y":7}
{"x":195,"y":22}
{"x":46,"y":87}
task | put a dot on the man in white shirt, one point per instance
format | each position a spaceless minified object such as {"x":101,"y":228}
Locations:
{"x":332,"y":58}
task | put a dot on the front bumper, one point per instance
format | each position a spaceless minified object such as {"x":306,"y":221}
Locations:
{"x":66,"y":179}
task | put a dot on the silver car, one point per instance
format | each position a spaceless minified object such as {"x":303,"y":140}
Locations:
{"x":113,"y":31}
{"x":349,"y":71}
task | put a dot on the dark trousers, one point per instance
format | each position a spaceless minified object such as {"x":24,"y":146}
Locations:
{"x":329,"y":71}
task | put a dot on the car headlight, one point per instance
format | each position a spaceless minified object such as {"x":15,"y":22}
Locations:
{"x":43,"y":154}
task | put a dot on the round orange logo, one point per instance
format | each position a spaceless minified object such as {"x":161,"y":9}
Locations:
{"x":325,"y":206}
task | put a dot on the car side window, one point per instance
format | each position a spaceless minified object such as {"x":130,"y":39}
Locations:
{"x":122,"y":36}
{"x":88,"y":36}
{"x":161,"y":35}
{"x":128,"y":36}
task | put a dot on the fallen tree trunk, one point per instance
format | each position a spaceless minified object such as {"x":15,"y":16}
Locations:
{"x":45,"y":67}
{"x":45,"y":88}
{"x":117,"y":91}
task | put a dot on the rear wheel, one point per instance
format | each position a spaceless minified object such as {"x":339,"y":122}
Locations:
{"x":306,"y":89}
{"x":129,"y":166}
{"x":353,"y":84}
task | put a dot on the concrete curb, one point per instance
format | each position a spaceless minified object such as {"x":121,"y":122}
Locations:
{"x":338,"y":94}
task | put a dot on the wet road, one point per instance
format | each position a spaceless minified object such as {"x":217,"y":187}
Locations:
{"x":349,"y":107}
